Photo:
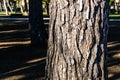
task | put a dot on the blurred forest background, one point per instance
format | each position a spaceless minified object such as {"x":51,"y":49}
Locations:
{"x":8,"y":7}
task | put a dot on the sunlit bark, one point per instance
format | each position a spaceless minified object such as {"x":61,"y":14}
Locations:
{"x":77,"y":40}
{"x":26,"y":5}
{"x":7,"y":6}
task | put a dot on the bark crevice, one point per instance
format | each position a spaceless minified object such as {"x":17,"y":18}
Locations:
{"x":77,"y":40}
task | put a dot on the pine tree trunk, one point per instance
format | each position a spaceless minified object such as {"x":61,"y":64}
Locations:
{"x":77,"y":40}
{"x":38,"y":33}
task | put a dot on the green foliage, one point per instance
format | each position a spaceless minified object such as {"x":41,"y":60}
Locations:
{"x":47,"y":1}
{"x":111,"y":1}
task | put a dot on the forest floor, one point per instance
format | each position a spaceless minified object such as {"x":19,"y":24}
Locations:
{"x":114,"y":51}
{"x":21,"y":61}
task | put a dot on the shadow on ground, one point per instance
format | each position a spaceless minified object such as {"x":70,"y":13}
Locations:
{"x":18,"y":59}
{"x":114,"y":51}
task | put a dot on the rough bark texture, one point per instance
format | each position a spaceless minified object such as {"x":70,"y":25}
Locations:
{"x":77,"y":40}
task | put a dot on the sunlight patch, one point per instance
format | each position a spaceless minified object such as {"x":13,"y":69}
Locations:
{"x":36,"y":60}
{"x":12,"y":43}
{"x":16,"y":77}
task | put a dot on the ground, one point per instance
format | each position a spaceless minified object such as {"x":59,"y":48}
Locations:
{"x":114,"y":51}
{"x":21,"y":61}
{"x":18,"y":59}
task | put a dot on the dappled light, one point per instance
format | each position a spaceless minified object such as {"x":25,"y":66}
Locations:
{"x":114,"y":51}
{"x":36,"y":60}
{"x":15,"y":77}
{"x":19,"y":60}
{"x":11,"y":44}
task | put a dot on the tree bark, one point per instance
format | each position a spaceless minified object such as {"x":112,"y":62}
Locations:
{"x":26,"y":5}
{"x":5,"y":7}
{"x":77,"y":40}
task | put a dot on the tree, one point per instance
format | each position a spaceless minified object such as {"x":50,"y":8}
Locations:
{"x":77,"y":43}
{"x":36,"y":22}
{"x":26,"y":5}
{"x":7,"y":6}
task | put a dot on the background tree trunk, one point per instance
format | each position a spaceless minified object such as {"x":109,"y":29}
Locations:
{"x":26,"y":5}
{"x":36,"y":22}
{"x":77,"y":40}
{"x":5,"y":7}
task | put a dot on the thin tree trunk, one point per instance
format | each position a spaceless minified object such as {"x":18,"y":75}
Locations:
{"x":5,"y":7}
{"x":26,"y":7}
{"x":1,"y":8}
{"x":77,"y":40}
{"x":8,"y":5}
{"x":36,"y":22}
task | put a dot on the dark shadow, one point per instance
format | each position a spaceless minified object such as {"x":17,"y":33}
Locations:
{"x":21,"y":61}
{"x":16,"y":15}
{"x":114,"y":50}
{"x":113,"y":38}
{"x":115,"y":77}
{"x":18,"y":58}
